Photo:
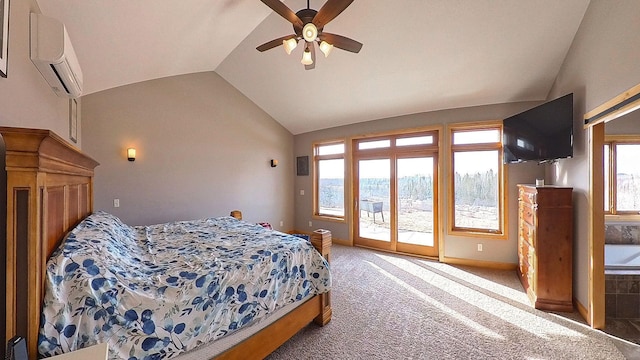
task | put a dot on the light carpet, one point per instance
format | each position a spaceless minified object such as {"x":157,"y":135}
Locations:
{"x":388,"y":306}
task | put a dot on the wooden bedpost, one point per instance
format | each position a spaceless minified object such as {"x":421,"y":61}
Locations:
{"x":321,"y":240}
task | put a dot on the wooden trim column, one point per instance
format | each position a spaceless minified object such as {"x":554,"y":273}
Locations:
{"x":596,"y":304}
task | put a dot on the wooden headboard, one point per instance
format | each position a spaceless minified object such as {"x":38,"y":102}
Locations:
{"x":49,"y":187}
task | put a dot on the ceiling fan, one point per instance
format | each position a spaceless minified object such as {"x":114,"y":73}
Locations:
{"x":308,"y":25}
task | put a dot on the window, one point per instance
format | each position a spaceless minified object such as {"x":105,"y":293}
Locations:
{"x":415,"y":140}
{"x":375,"y":144}
{"x":329,"y":180}
{"x":476,"y":180}
{"x":622,"y":175}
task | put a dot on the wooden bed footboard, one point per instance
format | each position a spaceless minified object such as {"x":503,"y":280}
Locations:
{"x":316,"y":309}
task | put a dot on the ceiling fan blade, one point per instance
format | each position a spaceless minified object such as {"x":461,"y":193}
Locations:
{"x":273,"y":43}
{"x":341,"y":42}
{"x":329,"y":11}
{"x":285,"y":12}
{"x":312,"y":48}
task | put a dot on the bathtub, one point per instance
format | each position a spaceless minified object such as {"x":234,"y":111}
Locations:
{"x":621,"y":257}
{"x":622,"y":281}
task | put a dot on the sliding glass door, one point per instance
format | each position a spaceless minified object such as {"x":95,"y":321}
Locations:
{"x":415,"y":199}
{"x":395,"y":191}
{"x":374,"y":179}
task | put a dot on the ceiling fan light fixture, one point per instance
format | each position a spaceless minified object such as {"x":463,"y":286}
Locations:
{"x":306,"y":57}
{"x":310,"y":32}
{"x":289,"y":45}
{"x":308,"y":25}
{"x":326,"y":48}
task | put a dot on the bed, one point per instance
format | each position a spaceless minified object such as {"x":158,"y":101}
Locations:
{"x":50,"y":191}
{"x":157,"y":291}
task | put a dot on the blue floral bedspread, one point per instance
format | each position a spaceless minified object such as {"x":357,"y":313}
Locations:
{"x":153,"y":292}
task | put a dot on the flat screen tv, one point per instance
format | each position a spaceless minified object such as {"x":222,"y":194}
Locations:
{"x":541,"y":134}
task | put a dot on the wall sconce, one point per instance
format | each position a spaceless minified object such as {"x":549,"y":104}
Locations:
{"x":274,"y":163}
{"x":131,"y":154}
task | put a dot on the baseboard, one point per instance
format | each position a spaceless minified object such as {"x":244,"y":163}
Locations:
{"x":446,"y":260}
{"x":341,"y":242}
{"x":479,"y":263}
{"x":397,"y":252}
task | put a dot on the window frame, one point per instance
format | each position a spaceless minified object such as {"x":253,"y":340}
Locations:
{"x":611,"y":211}
{"x":502,"y":232}
{"x":316,"y":179}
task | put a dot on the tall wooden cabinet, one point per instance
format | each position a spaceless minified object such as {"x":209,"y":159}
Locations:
{"x":545,"y":245}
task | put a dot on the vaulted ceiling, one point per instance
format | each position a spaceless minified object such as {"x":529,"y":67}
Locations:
{"x":418,"y":55}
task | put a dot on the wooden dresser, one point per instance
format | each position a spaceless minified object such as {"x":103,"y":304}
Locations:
{"x":545,"y":245}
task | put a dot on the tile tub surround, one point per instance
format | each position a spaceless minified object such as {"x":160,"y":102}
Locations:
{"x":622,"y":287}
{"x":622,"y":233}
{"x":622,"y":296}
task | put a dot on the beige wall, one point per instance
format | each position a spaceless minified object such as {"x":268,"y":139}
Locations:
{"x":601,"y":63}
{"x":203,"y":149}
{"x":502,"y":251}
{"x":26,"y":100}
{"x":626,"y":125}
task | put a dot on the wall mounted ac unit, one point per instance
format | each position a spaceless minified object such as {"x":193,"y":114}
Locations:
{"x":53,"y":55}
